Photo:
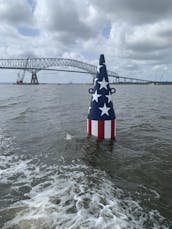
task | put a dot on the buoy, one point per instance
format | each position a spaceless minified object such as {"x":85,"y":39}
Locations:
{"x":101,"y":121}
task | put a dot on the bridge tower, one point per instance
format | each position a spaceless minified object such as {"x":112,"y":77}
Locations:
{"x":34,"y":79}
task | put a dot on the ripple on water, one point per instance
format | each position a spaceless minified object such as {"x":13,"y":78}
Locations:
{"x":70,"y":196}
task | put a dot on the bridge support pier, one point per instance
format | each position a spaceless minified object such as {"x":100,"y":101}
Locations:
{"x":34,"y":79}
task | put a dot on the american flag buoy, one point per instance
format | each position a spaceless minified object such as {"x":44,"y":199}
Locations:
{"x":101,"y":120}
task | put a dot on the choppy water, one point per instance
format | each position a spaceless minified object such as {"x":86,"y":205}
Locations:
{"x":53,"y":176}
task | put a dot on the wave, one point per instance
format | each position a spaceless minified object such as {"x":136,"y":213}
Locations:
{"x":70,"y":196}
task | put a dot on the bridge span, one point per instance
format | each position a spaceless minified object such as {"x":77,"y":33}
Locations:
{"x":34,"y":65}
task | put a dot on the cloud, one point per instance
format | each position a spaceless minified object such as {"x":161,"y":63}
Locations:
{"x":15,"y":12}
{"x":135,"y":36}
{"x":68,"y":21}
{"x":150,"y":37}
{"x":134,"y":11}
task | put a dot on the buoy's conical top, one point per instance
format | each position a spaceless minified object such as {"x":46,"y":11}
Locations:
{"x":101,"y":115}
{"x":102,"y":59}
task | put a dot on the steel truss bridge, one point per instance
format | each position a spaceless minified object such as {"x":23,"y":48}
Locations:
{"x":34,"y":65}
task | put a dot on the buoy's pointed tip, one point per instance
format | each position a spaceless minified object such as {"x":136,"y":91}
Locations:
{"x":102,"y":59}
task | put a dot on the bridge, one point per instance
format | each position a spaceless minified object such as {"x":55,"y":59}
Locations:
{"x":34,"y":65}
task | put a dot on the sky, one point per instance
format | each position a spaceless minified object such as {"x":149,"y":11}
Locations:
{"x":134,"y":35}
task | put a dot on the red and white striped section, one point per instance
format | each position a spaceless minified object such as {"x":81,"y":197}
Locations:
{"x":103,"y":129}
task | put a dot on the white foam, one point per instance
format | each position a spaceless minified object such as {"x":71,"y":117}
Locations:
{"x":68,"y":136}
{"x":5,"y":143}
{"x":12,"y":166}
{"x":69,"y":196}
{"x":76,"y":196}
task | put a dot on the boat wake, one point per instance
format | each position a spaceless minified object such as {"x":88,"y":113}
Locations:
{"x":68,"y":196}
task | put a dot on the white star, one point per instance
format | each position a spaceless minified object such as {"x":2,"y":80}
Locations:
{"x":104,"y":109}
{"x":96,"y":96}
{"x":103,"y":84}
{"x":109,"y":98}
{"x":98,"y":68}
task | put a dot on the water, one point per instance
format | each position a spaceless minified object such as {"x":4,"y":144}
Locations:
{"x":53,"y":176}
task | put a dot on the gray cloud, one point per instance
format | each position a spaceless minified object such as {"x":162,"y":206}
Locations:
{"x":166,"y":33}
{"x":136,"y":11}
{"x":138,"y":37}
{"x":131,"y":67}
{"x":28,"y":53}
{"x":152,"y":46}
{"x":145,"y":46}
{"x":15,"y":12}
{"x":153,"y":58}
{"x":69,"y":22}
